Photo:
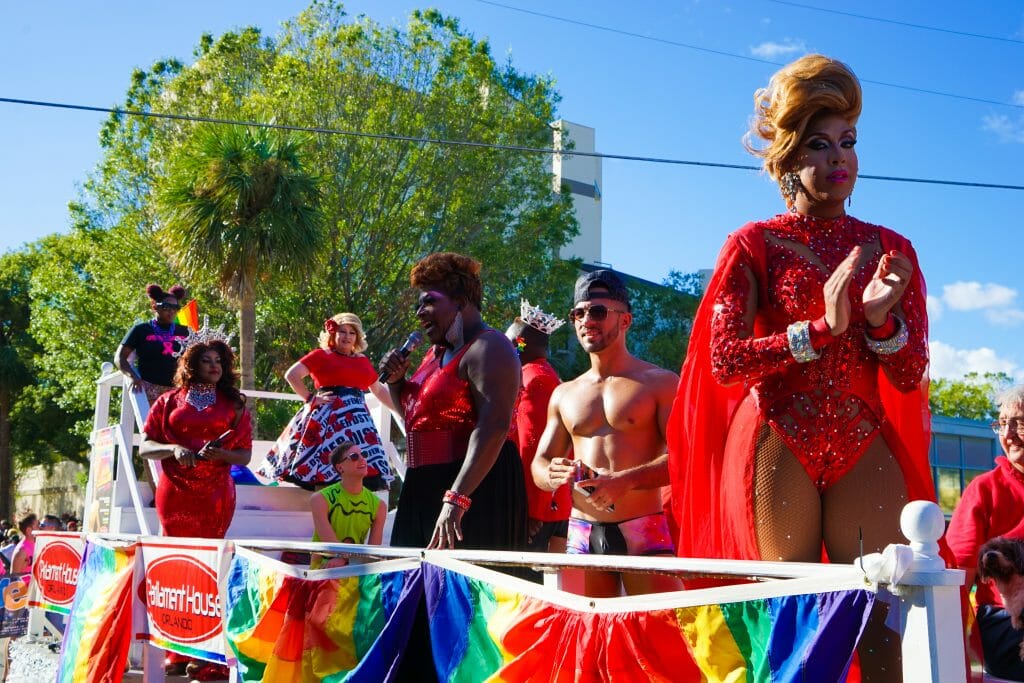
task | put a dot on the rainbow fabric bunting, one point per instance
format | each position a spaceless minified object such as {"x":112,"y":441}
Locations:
{"x":98,"y":632}
{"x":284,"y":627}
{"x":189,"y":316}
{"x":482,"y":631}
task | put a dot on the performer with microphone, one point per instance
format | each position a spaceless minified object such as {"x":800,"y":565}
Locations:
{"x":464,"y":483}
{"x":335,"y":410}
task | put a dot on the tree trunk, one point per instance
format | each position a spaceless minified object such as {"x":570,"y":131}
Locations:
{"x":6,"y":458}
{"x":247,"y":348}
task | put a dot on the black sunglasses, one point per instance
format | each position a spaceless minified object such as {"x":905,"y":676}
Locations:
{"x":597,"y":312}
{"x":172,"y":307}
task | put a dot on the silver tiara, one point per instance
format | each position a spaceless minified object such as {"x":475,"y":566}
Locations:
{"x":204,"y":335}
{"x":538,"y":319}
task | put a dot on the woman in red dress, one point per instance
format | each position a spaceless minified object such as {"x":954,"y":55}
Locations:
{"x":335,"y":411}
{"x":198,"y":431}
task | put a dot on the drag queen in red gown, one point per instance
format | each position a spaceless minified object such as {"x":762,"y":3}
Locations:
{"x":196,"y":495}
{"x":198,"y":431}
{"x":801,"y":415}
{"x":801,"y":418}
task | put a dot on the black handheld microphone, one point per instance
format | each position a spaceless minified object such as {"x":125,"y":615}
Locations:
{"x":410,"y":345}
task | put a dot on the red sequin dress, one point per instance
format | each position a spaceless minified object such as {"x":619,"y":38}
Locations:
{"x":440,"y":417}
{"x":827,"y":411}
{"x":195,"y":501}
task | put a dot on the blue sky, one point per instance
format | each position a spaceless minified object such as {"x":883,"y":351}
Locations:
{"x":644,"y":97}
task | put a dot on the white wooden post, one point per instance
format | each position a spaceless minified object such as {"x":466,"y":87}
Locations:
{"x":933,"y":644}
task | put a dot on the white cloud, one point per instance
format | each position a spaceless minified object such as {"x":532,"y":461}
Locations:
{"x":1005,"y":317}
{"x":773,"y":50}
{"x":953,"y":363}
{"x":1018,"y":97}
{"x":973,"y":296}
{"x":1005,"y":128}
{"x":935,"y":307}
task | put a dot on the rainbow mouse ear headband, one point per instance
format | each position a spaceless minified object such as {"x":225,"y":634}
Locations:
{"x":538,"y":319}
{"x":204,"y":335}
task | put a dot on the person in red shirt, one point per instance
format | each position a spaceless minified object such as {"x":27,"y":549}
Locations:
{"x":548,"y":512}
{"x":991,"y":506}
{"x":335,"y":411}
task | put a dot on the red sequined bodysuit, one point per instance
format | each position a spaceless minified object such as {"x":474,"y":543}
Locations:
{"x":827,"y":411}
{"x":439,"y":410}
{"x":195,"y":501}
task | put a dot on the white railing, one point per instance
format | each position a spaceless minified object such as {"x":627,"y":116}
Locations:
{"x":929,"y":622}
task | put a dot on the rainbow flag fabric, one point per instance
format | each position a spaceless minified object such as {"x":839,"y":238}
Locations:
{"x":285,"y":624}
{"x":98,"y":632}
{"x":487,"y":627}
{"x":189,"y":316}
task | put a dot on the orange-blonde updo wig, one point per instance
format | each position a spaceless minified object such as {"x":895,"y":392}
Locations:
{"x":332,"y":324}
{"x":799,"y":91}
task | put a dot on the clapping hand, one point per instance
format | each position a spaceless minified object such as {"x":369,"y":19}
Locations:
{"x":886,"y":287}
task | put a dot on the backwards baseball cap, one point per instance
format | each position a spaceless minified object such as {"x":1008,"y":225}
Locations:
{"x":601,"y":279}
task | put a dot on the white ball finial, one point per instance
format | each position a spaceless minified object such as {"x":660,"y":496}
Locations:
{"x":923,"y":524}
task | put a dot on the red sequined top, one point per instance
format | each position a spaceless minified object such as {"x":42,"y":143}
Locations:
{"x":172,"y":420}
{"x":826,"y":410}
{"x":439,"y":409}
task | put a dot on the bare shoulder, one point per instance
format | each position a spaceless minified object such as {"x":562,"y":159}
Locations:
{"x":656,"y":377}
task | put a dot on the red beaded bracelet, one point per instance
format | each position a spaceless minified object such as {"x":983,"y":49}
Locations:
{"x":456,"y":499}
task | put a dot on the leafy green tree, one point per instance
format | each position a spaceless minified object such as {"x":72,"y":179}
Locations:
{"x":15,"y":373}
{"x":972,"y":397}
{"x":384,"y":203}
{"x":239,"y":203}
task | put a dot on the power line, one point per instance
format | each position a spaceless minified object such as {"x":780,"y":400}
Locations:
{"x":896,"y":22}
{"x":465,"y":143}
{"x":734,"y":55}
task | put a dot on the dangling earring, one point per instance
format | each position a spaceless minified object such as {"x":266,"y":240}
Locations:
{"x":454,"y":334}
{"x":790,"y":185}
{"x":849,"y":200}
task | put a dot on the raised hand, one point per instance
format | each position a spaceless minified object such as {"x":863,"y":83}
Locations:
{"x":395,"y":365}
{"x":837,"y":294}
{"x":886,"y":287}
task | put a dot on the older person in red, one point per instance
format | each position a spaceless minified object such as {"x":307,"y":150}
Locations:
{"x":993,"y":505}
{"x":195,"y":495}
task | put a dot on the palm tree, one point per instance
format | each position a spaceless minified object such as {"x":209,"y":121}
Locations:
{"x":240,"y":204}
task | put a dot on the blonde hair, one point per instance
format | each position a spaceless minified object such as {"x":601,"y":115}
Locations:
{"x":799,"y":91}
{"x":327,"y":339}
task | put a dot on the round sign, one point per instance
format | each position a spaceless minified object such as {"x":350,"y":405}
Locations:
{"x":183,"y":599}
{"x":55,"y":571}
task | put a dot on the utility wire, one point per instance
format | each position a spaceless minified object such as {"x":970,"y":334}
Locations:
{"x":464,"y":143}
{"x":734,"y":55}
{"x":896,"y":22}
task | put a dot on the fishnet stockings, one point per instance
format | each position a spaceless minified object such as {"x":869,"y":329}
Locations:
{"x":793,"y":520}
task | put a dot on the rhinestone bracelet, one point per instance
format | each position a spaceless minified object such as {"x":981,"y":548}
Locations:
{"x":457,"y":499}
{"x":799,"y":335}
{"x":897,"y":341}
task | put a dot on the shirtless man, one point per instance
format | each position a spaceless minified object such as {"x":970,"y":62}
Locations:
{"x":613,"y":417}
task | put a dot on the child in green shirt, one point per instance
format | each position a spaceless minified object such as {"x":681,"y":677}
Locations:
{"x":347,"y":512}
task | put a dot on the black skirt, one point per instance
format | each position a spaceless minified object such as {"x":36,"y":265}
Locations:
{"x":496,"y":520}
